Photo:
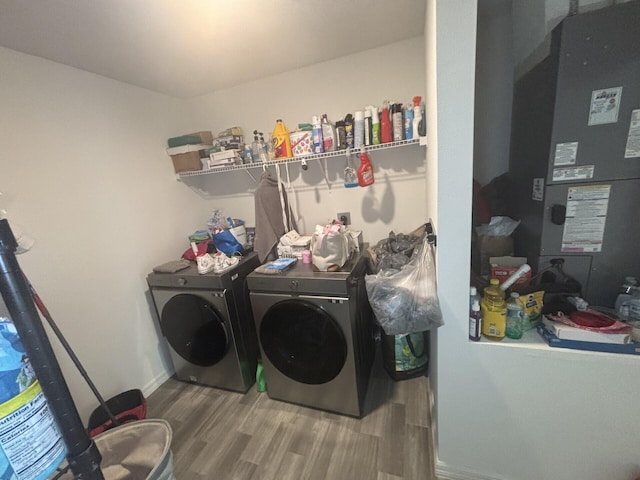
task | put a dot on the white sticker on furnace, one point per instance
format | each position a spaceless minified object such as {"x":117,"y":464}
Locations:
{"x":633,"y":139}
{"x":605,"y":105}
{"x":566,"y":153}
{"x":573,"y":173}
{"x":537,"y":192}
{"x":585,"y":218}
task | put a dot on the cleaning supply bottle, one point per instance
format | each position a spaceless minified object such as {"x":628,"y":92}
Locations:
{"x":475,"y":321}
{"x":328,"y":134}
{"x":417,"y":116}
{"x":255,"y":146}
{"x":422,"y":127}
{"x":494,"y":311}
{"x":348,"y":130}
{"x":386,"y":134}
{"x":408,"y":123}
{"x":281,"y":141}
{"x":350,"y":175}
{"x":264,"y":149}
{"x":515,"y":317}
{"x":367,"y":127}
{"x":318,"y":141}
{"x":341,"y":140}
{"x":375,"y":125}
{"x":397,"y":121}
{"x":365,"y":172}
{"x":358,"y":130}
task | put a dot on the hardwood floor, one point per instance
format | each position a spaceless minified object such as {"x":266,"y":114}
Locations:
{"x":225,"y":435}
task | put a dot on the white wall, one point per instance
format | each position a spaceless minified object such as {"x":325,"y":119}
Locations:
{"x":510,"y":412}
{"x":85,"y":173}
{"x":393,"y":72}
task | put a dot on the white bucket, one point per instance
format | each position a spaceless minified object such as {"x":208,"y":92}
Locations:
{"x":31,"y":447}
{"x":138,"y":450}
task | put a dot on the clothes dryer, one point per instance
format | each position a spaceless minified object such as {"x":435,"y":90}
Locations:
{"x":316,"y":335}
{"x":207,"y":323}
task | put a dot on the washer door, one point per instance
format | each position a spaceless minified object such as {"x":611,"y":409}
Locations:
{"x":303,"y":341}
{"x":195,"y":330}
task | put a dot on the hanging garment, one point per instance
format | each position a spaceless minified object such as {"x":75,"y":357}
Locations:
{"x":271,"y":205}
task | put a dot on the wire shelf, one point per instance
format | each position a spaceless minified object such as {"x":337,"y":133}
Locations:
{"x":318,"y":156}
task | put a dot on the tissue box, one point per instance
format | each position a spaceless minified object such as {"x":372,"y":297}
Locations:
{"x":503,"y":267}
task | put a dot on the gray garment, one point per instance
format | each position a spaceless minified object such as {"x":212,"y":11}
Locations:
{"x":269,"y":224}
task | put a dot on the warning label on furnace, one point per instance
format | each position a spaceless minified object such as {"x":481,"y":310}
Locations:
{"x":605,"y":105}
{"x":632,"y":149}
{"x":586,"y":218}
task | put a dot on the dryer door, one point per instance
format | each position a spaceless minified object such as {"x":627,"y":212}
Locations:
{"x":303,"y":341}
{"x":195,"y":329}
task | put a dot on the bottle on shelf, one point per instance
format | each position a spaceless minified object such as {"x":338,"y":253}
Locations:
{"x":417,"y":116}
{"x":475,"y":316}
{"x":515,"y":317}
{"x":255,"y":146}
{"x":368,"y":123}
{"x":350,"y":174}
{"x":386,"y":134}
{"x":281,"y":141}
{"x":365,"y":171}
{"x":247,"y":154}
{"x":358,"y":129}
{"x":397,"y":121}
{"x":624,"y":298}
{"x":375,"y":125}
{"x":422,"y":126}
{"x":408,"y":122}
{"x":318,"y":140}
{"x":341,"y":141}
{"x":348,"y":130}
{"x":494,"y":311}
{"x":264,"y":149}
{"x":328,"y":134}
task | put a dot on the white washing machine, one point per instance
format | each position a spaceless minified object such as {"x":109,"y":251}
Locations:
{"x":207,"y":323}
{"x":316,"y":334}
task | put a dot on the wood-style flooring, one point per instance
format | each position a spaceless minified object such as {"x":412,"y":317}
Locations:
{"x":219,"y":435}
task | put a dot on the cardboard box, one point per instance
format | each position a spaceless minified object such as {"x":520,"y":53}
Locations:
{"x":488,"y":246}
{"x":503,"y":267}
{"x":186,"y":162}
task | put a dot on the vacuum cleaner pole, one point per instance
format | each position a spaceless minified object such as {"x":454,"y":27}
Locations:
{"x":82,"y":454}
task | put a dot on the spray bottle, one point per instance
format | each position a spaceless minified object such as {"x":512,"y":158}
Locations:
{"x":358,"y":129}
{"x":255,"y":146}
{"x":264,"y":149}
{"x":375,"y":125}
{"x":350,"y":175}
{"x":328,"y":134}
{"x":417,"y":116}
{"x":368,"y":123}
{"x":386,"y":135}
{"x":397,"y":121}
{"x":408,"y":122}
{"x":365,"y":171}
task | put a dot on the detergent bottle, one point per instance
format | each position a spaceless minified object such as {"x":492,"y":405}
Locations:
{"x":386,"y":133}
{"x":281,"y":141}
{"x":365,"y":171}
{"x":494,"y":311}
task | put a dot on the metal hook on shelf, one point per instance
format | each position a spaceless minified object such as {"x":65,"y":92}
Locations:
{"x":303,"y":164}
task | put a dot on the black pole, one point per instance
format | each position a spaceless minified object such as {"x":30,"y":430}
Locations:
{"x":82,"y":454}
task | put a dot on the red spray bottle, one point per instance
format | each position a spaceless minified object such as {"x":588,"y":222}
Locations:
{"x":365,"y":171}
{"x":386,"y":132}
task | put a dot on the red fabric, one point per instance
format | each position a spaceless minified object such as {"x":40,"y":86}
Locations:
{"x":592,"y":321}
{"x":202,"y":249}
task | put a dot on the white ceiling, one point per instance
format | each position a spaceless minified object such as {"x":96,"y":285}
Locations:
{"x":186,"y":48}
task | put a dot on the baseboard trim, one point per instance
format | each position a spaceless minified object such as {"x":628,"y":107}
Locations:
{"x":447,"y":472}
{"x":153,"y":385}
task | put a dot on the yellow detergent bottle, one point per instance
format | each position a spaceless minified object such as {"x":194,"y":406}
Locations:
{"x":281,"y":141}
{"x":494,"y":311}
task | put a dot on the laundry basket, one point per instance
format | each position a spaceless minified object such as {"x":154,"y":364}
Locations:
{"x":135,"y":451}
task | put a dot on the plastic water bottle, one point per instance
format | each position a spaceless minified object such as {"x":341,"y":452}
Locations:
{"x":515,"y":317}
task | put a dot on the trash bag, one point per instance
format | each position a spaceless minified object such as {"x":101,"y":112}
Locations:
{"x":406,"y":301}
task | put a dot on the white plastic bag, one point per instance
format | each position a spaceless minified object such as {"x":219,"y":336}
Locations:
{"x":406,"y":301}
